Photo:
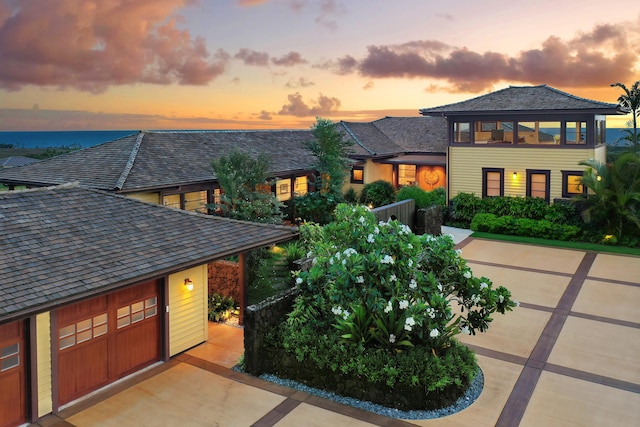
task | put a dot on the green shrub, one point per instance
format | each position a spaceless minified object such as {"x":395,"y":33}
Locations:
{"x":526,"y":227}
{"x":350,"y":196}
{"x":220,"y":307}
{"x":378,"y":193}
{"x":315,"y":207}
{"x":422,"y":198}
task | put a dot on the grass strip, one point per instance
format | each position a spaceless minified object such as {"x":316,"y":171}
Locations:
{"x":583,"y":246}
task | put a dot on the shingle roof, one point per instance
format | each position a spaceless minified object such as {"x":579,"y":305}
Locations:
{"x":523,"y":99}
{"x":64,"y":243}
{"x":13,"y":161}
{"x":416,"y":134}
{"x":369,"y":140}
{"x":157,"y":159}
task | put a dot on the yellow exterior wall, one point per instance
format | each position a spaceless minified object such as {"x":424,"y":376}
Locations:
{"x":146,"y":197}
{"x":376,"y":171}
{"x":43,"y":357}
{"x":601,"y":154}
{"x":466,"y":163}
{"x":187,"y":310}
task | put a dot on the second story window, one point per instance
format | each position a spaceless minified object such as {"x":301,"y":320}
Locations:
{"x":462,"y":132}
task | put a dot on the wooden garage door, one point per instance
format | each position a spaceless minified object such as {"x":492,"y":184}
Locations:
{"x":106,"y":338}
{"x":12,"y":374}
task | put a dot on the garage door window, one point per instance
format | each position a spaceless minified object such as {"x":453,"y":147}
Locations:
{"x":137,"y":311}
{"x":9,"y":357}
{"x":83,"y":330}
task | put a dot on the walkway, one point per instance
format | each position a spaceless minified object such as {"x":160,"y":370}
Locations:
{"x":568,"y":356}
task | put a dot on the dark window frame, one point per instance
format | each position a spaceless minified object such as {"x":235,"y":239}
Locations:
{"x":565,"y":183}
{"x":547,"y":189}
{"x":484,"y":180}
{"x":357,"y":181}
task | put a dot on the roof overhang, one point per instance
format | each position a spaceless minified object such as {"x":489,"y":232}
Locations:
{"x":416,"y":159}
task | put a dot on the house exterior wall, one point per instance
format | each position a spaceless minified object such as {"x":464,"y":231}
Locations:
{"x":145,"y":197}
{"x":187,"y":310}
{"x":43,"y":357}
{"x":466,"y":163}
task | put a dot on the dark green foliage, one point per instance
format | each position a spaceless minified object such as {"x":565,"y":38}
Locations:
{"x":464,"y":207}
{"x":241,"y":177}
{"x":316,"y":207}
{"x":260,"y":266}
{"x":350,"y":196}
{"x":423,"y":198}
{"x":526,"y":227}
{"x":331,"y":149}
{"x":411,"y":379}
{"x":220,"y":307}
{"x":378,"y":193}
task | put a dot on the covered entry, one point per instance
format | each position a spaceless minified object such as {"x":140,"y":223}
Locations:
{"x":12,"y":374}
{"x":105,"y":338}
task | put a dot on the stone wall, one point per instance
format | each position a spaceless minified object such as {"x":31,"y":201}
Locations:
{"x":429,"y":220}
{"x":258,"y":320}
{"x":224,"y":279}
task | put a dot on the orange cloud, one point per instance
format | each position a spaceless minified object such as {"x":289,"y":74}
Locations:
{"x":297,"y":107}
{"x":92,"y":44}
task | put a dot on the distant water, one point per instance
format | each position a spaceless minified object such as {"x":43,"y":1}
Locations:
{"x":89,"y":138}
{"x":50,"y":139}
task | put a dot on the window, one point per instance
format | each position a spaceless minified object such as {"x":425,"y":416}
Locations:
{"x":137,"y":311}
{"x":84,"y":330}
{"x":572,"y":184}
{"x":196,"y":202}
{"x":538,"y":184}
{"x":357,"y":175}
{"x":9,"y":356}
{"x":301,"y":187}
{"x":492,"y":182}
{"x":576,"y":133}
{"x":406,"y":174}
{"x":462,"y":132}
{"x":601,"y":131}
{"x":172,"y":200}
{"x":283,"y":189}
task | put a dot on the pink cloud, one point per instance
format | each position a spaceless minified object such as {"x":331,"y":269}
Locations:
{"x":324,"y":105}
{"x":593,"y":58}
{"x":289,"y":60}
{"x":92,"y":44}
{"x":252,"y":57}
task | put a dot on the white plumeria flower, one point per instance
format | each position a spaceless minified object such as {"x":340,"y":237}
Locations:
{"x":409,"y":245}
{"x":370,"y":238}
{"x":410,"y":263}
{"x":361,"y":220}
{"x":393,"y":278}
{"x":388,"y":307}
{"x":337,"y":310}
{"x":345,"y":314}
{"x":387,"y":259}
{"x":409,"y":323}
{"x":500,"y":299}
{"x":359,"y":279}
{"x":440,"y":287}
{"x":451,"y":236}
{"x":431,"y":313}
{"x":434,"y":333}
{"x":413,"y":284}
{"x":465,"y":330}
{"x":392,"y":338}
{"x":309,"y":254}
{"x":349,"y":252}
{"x":299,"y":281}
{"x":344,"y":262}
{"x":404,"y":304}
{"x":483,"y":285}
{"x":376,"y":230}
{"x":467,"y":274}
{"x":475,"y":298}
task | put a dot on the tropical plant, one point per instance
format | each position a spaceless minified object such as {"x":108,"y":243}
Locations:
{"x":245,"y":190}
{"x":378,"y":193}
{"x":382,"y":286}
{"x":630,"y":101}
{"x":220,"y":307}
{"x":422,"y":197}
{"x":614,"y":199}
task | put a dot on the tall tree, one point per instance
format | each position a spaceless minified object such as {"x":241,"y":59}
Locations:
{"x":246,"y":191}
{"x":630,"y":101}
{"x":331,"y":149}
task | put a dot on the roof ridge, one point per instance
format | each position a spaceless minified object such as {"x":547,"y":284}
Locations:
{"x":355,"y":138}
{"x":227,"y":131}
{"x":132,"y":158}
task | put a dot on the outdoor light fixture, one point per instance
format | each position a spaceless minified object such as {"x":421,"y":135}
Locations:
{"x":188,"y":284}
{"x":515,"y":175}
{"x":599,"y":178}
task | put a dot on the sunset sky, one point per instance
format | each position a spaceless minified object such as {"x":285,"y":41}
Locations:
{"x":264,"y":64}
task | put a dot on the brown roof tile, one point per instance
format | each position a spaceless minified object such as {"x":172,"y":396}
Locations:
{"x":64,"y":243}
{"x":522,"y":99}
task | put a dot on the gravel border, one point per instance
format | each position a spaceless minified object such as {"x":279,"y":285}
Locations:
{"x":470,"y":396}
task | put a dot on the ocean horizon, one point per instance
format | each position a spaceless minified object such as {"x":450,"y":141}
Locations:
{"x":89,"y":138}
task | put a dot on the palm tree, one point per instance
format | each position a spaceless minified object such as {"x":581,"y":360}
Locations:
{"x":614,"y":198}
{"x":630,"y":101}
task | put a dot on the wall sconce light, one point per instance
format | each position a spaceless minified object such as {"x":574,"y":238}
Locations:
{"x":188,"y":284}
{"x":515,"y":175}
{"x":599,"y":178}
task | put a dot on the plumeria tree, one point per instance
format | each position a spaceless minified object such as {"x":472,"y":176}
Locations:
{"x":380,"y":285}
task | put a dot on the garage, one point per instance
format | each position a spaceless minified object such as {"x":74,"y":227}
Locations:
{"x":105,"y":338}
{"x":12,"y":374}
